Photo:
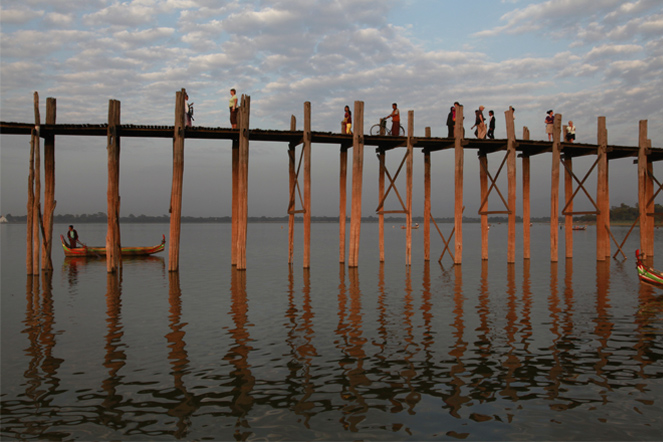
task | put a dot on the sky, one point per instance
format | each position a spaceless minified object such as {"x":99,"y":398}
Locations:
{"x":581,"y":58}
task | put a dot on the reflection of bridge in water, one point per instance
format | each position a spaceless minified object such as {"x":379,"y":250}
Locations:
{"x":562,"y":158}
{"x":335,"y":376}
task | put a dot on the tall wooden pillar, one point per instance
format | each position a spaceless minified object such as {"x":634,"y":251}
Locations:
{"x":382,"y":158}
{"x":235,"y":202}
{"x":568,"y":194}
{"x":526,"y":200}
{"x":49,"y":187}
{"x":603,"y":217}
{"x":113,"y":253}
{"x":427,"y":205}
{"x":483,"y":181}
{"x":357,"y":181}
{"x":307,"y":184}
{"x":645,"y":191}
{"x":36,"y":205}
{"x":343,"y":180}
{"x":458,"y":185}
{"x":554,"y":191}
{"x":409,"y":168}
{"x":292,"y":173}
{"x":176,"y":189}
{"x":243,"y":181}
{"x":511,"y":181}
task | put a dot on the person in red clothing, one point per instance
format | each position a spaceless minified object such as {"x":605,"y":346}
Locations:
{"x":395,"y":120}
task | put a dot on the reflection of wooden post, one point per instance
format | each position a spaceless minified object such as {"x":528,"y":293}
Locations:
{"x":645,"y":187}
{"x":409,"y":168}
{"x":427,"y":204}
{"x":357,"y":178}
{"x":511,"y":176}
{"x":483,"y":182}
{"x":343,"y":180}
{"x":307,"y":184}
{"x":243,"y":179}
{"x":458,"y":185}
{"x":526,"y":200}
{"x":554,"y":191}
{"x":49,"y":186}
{"x":382,"y":158}
{"x":113,"y":258}
{"x":603,"y":217}
{"x":176,"y":190}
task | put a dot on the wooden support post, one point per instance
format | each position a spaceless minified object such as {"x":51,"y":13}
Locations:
{"x":382,"y":158}
{"x":36,"y":219}
{"x":178,"y":178}
{"x":32,"y":253}
{"x":603,"y":217}
{"x":607,"y":204}
{"x":292,"y":156}
{"x":357,"y":178}
{"x":235,"y":202}
{"x":427,"y":204}
{"x":645,"y":192}
{"x":568,"y":201}
{"x":511,"y":180}
{"x":307,"y":184}
{"x":49,"y":187}
{"x":409,"y":168}
{"x":343,"y":180}
{"x":243,"y":180}
{"x":554,"y":191}
{"x":458,"y":185}
{"x":526,"y":200}
{"x":113,"y":252}
{"x":483,"y":180}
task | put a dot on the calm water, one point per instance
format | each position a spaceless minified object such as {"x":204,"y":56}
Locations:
{"x":486,"y":350}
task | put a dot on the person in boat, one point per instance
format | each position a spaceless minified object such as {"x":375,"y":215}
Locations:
{"x":72,"y":236}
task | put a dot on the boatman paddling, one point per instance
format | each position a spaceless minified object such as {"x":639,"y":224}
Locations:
{"x":72,"y":235}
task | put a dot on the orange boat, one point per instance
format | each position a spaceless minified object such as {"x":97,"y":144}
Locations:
{"x":101,"y":251}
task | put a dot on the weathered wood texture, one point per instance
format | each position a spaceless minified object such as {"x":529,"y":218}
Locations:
{"x":343,"y":184}
{"x":554,"y":191}
{"x":36,"y":209}
{"x":427,"y":204}
{"x":568,"y":195}
{"x":603,"y":217}
{"x":409,"y":168}
{"x":357,"y":182}
{"x":176,"y":189}
{"x":483,"y":185}
{"x":511,"y":182}
{"x":113,"y":243}
{"x":382,"y":158}
{"x":49,"y":187}
{"x":243,"y":181}
{"x":458,"y":185}
{"x":526,"y":200}
{"x":307,"y":184}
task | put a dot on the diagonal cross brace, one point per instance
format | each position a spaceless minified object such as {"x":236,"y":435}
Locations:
{"x":494,"y":185}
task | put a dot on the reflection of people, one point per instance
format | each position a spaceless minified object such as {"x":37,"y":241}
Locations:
{"x":347,"y":121}
{"x":232,"y":105}
{"x":491,"y":125}
{"x":395,"y":120}
{"x":550,"y":120}
{"x":570,"y":132}
{"x":72,"y":236}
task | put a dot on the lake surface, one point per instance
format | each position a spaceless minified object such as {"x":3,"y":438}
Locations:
{"x":484,"y":350}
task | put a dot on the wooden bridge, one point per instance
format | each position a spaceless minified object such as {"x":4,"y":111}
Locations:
{"x":562,"y":157}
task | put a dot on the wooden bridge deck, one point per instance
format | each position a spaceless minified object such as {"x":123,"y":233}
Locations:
{"x":431,"y":144}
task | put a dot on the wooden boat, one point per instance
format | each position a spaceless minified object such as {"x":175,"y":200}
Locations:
{"x":101,"y":251}
{"x":646,"y":273}
{"x":414,"y":226}
{"x":579,"y":227}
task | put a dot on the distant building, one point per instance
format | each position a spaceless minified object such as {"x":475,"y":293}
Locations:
{"x":3,"y":219}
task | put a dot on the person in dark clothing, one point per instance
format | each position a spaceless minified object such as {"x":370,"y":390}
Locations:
{"x":451,"y":121}
{"x":491,"y":125}
{"x":72,"y":236}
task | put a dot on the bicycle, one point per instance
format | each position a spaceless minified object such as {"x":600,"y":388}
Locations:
{"x":381,"y":129}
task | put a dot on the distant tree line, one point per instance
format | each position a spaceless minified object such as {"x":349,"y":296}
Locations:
{"x":617,"y":213}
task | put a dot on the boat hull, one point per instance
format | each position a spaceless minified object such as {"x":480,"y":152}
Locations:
{"x":648,"y":274}
{"x":101,"y":251}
